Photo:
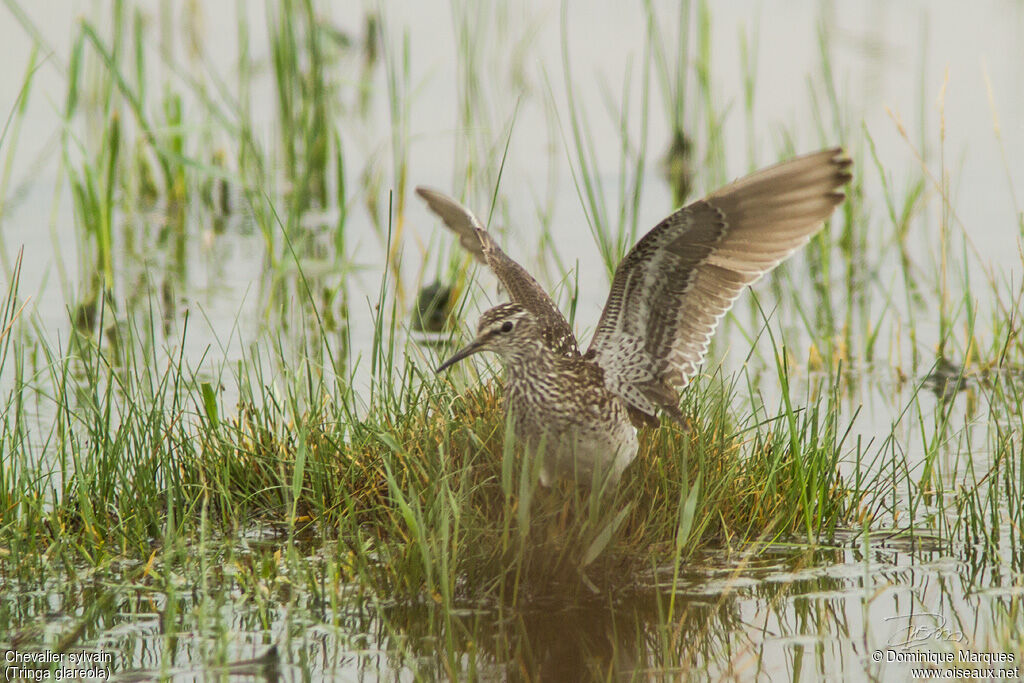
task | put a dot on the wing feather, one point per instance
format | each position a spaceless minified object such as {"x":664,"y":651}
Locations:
{"x":521,"y":286}
{"x":672,"y":289}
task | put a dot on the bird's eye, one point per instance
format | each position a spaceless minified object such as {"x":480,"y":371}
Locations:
{"x":507,"y":327}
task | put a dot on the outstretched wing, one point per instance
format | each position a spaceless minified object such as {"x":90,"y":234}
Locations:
{"x":677,"y":282}
{"x":521,"y":286}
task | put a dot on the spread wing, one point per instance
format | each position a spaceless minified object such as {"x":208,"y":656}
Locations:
{"x":677,"y":282}
{"x":521,"y":286}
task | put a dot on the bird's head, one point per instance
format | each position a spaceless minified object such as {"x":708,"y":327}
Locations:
{"x":508,"y":330}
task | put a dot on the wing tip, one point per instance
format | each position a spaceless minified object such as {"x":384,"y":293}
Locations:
{"x":427,"y":192}
{"x":837,"y":155}
{"x":842,"y":162}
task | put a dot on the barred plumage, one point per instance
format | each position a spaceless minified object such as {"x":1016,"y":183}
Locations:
{"x":666,"y":300}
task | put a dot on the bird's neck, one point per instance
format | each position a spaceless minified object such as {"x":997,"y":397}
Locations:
{"x":529,"y":361}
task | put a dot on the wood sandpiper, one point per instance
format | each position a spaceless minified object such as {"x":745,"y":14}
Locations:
{"x":580,"y":413}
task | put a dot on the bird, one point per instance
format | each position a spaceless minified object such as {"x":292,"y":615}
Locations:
{"x":580,"y":412}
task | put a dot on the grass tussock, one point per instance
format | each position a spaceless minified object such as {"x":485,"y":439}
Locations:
{"x":432,"y":499}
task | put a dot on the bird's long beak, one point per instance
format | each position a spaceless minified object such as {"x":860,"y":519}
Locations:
{"x":473,"y":347}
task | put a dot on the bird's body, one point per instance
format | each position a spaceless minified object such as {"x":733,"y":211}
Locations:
{"x":561,"y":410}
{"x":580,"y":412}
